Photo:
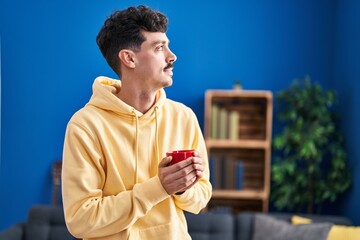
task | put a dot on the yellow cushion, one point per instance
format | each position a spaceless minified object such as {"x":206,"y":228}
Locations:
{"x":344,"y":232}
{"x":300,"y":220}
{"x":337,"y":232}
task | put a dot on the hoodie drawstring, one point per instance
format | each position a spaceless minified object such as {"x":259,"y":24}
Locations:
{"x":156,"y":134}
{"x":136,"y":145}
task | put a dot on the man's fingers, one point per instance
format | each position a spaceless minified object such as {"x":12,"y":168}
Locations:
{"x":182,"y":175}
{"x":196,"y":154}
{"x":165,"y":161}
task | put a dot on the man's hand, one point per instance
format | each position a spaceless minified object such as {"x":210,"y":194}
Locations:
{"x":180,"y":176}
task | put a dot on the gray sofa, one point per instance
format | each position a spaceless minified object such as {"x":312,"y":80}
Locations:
{"x":47,"y":223}
{"x":217,"y":226}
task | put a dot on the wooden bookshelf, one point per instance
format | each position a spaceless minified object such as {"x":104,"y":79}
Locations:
{"x":224,"y":143}
{"x":244,"y":194}
{"x":240,"y":166}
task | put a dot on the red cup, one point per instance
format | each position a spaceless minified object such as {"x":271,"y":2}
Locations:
{"x":179,"y":155}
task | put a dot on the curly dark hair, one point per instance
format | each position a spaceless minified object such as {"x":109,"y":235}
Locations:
{"x":122,"y":30}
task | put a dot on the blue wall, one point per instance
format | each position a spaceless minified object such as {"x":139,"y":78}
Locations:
{"x":49,"y":59}
{"x":346,"y":81}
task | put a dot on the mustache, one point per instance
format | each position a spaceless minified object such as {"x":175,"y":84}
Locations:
{"x":169,"y":65}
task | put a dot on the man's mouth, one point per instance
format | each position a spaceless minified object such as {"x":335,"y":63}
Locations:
{"x":169,"y":66}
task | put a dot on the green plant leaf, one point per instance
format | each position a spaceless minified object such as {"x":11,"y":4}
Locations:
{"x":311,"y":165}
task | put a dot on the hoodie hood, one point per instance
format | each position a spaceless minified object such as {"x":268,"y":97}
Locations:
{"x":104,"y":97}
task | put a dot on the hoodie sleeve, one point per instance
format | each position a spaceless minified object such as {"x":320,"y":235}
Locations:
{"x":88,"y":213}
{"x":196,"y":198}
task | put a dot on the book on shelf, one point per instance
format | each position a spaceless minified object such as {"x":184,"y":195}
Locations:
{"x":229,"y":172}
{"x":216,"y":171}
{"x":214,"y":121}
{"x":224,"y":123}
{"x":234,"y":118}
{"x":226,"y":172}
{"x":239,"y":175}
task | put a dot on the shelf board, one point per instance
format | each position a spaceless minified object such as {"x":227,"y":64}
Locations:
{"x":226,"y":143}
{"x":238,"y":194}
{"x":240,"y":93}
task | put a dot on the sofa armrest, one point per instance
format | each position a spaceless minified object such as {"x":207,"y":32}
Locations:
{"x":15,"y":232}
{"x":46,"y":222}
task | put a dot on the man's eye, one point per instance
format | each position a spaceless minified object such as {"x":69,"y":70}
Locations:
{"x":160,"y":47}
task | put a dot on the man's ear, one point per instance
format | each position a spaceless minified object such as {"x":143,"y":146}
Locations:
{"x":127,"y":58}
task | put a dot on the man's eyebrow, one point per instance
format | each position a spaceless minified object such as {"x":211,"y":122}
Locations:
{"x":161,"y":41}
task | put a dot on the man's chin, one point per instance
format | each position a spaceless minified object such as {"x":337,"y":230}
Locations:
{"x":168,"y":84}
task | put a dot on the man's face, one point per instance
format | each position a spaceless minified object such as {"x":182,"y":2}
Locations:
{"x":153,"y":64}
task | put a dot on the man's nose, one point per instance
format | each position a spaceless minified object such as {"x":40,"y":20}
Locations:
{"x":171,"y":57}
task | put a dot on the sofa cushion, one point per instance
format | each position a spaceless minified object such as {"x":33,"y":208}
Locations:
{"x":337,"y":232}
{"x":270,"y":228}
{"x":210,"y":226}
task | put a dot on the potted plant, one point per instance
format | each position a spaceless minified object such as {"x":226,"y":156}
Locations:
{"x":237,"y":85}
{"x":310,"y":163}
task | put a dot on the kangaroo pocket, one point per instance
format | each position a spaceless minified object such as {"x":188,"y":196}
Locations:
{"x":164,"y":232}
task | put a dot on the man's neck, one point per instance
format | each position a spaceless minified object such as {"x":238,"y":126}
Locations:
{"x":137,"y":98}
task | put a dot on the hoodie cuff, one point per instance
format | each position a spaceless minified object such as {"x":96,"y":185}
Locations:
{"x":154,"y":191}
{"x":187,"y":195}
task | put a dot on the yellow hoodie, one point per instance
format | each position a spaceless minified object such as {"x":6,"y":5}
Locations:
{"x":110,"y":185}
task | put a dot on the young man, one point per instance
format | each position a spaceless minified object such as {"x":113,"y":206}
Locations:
{"x":116,"y":181}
